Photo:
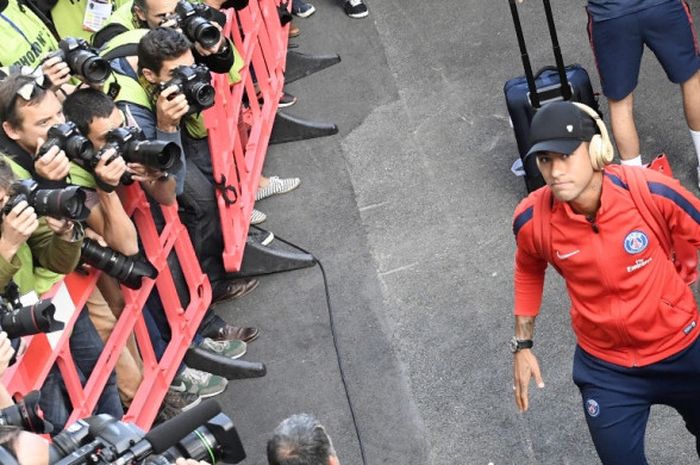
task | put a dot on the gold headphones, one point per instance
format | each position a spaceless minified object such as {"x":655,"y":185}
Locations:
{"x":600,"y":148}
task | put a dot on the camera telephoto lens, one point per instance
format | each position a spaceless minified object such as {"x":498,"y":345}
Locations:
{"x":83,"y":60}
{"x":26,"y":415}
{"x":68,"y":203}
{"x":127,"y":270}
{"x":32,"y":319}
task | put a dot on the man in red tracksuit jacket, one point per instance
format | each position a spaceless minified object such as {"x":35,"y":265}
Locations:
{"x":635,"y":319}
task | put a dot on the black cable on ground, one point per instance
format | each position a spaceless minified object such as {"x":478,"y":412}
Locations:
{"x":335,"y":340}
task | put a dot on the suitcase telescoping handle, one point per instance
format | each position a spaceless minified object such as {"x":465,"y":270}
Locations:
{"x":529,"y":76}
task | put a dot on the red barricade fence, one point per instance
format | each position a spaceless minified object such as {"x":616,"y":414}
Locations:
{"x":240,"y":122}
{"x":239,"y":126}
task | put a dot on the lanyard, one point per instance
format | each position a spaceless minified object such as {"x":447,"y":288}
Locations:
{"x":14,"y":26}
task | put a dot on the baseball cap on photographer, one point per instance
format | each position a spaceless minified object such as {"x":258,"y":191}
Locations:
{"x":560,"y":127}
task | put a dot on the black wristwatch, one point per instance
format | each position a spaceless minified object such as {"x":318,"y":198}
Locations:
{"x":516,"y":345}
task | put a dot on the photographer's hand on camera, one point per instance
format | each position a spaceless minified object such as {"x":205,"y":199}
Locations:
{"x":220,"y":48}
{"x":61,"y":227}
{"x":142,"y":173}
{"x":16,"y":228}
{"x":110,"y":168}
{"x":169,"y":111}
{"x":54,"y":165}
{"x":6,"y":352}
{"x":57,"y":71}
{"x":182,"y":461}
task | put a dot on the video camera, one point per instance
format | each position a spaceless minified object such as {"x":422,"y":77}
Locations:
{"x":66,"y":203}
{"x":18,"y":321}
{"x":127,"y":270}
{"x":26,"y":414}
{"x":83,"y":60}
{"x":195,"y":22}
{"x":201,"y":433}
{"x":195,"y":83}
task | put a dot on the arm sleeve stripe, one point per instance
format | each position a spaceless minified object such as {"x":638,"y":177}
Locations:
{"x":617,"y":181}
{"x":521,"y":219}
{"x":667,"y":192}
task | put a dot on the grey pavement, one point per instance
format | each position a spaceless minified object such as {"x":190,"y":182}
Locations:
{"x":409,"y":209}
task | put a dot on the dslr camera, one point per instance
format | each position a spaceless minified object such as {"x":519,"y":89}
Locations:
{"x":18,"y":321}
{"x":68,"y":138}
{"x":66,"y":203}
{"x":195,"y":83}
{"x":127,"y":270}
{"x":130,"y":144}
{"x":83,"y":60}
{"x":195,"y":22}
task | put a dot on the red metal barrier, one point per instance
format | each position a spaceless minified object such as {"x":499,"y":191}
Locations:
{"x":31,"y":370}
{"x":238,"y":135}
{"x":239,"y":132}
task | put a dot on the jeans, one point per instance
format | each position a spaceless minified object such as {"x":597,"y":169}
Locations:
{"x":86,"y":347}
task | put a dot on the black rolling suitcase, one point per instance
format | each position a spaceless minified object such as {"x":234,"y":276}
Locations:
{"x":525,"y":94}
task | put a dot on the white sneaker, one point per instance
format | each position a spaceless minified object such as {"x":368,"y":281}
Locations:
{"x":257,"y":217}
{"x":276,"y":186}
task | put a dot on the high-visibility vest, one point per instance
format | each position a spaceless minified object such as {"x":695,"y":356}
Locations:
{"x":68,"y":17}
{"x":27,"y":40}
{"x":123,"y":16}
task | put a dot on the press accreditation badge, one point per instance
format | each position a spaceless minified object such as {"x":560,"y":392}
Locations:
{"x":96,"y":14}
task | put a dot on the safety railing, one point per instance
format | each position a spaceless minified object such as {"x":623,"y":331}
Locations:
{"x":240,"y":122}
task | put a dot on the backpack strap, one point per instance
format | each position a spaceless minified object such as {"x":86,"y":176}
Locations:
{"x":542,"y":213}
{"x":641,"y":196}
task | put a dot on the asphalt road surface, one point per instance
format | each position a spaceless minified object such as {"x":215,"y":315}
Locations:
{"x":409,"y":210}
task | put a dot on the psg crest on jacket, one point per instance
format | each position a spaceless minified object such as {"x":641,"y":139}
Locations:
{"x":636,"y":242}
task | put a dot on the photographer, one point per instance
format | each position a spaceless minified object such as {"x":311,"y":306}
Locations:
{"x":151,"y":14}
{"x":161,"y":52}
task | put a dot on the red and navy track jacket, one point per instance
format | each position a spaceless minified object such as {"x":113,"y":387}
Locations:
{"x":628,"y":305}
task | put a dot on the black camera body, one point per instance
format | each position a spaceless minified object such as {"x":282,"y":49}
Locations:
{"x":66,"y":203}
{"x":195,"y":83}
{"x":18,"y":321}
{"x":195,"y":22}
{"x":83,"y":60}
{"x":26,"y":414}
{"x":130,"y":144}
{"x":68,"y":138}
{"x":129,"y":271}
{"x":104,"y":440}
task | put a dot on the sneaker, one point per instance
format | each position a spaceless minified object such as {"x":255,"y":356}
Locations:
{"x":261,"y":236}
{"x":287,"y":100}
{"x":232,"y":349}
{"x":356,"y":9}
{"x":302,"y":9}
{"x":179,"y":398}
{"x":276,"y":186}
{"x":202,"y":383}
{"x":257,"y":217}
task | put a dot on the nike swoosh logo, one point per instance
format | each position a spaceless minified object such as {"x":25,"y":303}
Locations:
{"x":567,"y":255}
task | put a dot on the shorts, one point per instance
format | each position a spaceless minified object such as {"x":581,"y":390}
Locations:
{"x":618,"y":43}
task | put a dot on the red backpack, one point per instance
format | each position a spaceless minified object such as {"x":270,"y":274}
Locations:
{"x":683,"y":254}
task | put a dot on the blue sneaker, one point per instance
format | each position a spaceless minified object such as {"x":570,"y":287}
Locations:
{"x":302,"y":9}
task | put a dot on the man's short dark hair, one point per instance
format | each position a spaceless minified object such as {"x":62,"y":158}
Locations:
{"x":84,"y":105}
{"x":161,"y":44}
{"x":299,"y":440}
{"x":11,"y":102}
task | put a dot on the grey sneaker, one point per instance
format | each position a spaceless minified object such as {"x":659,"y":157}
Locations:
{"x":232,"y":348}
{"x":277,"y":186}
{"x":257,"y":217}
{"x":202,"y":383}
{"x":179,"y":398}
